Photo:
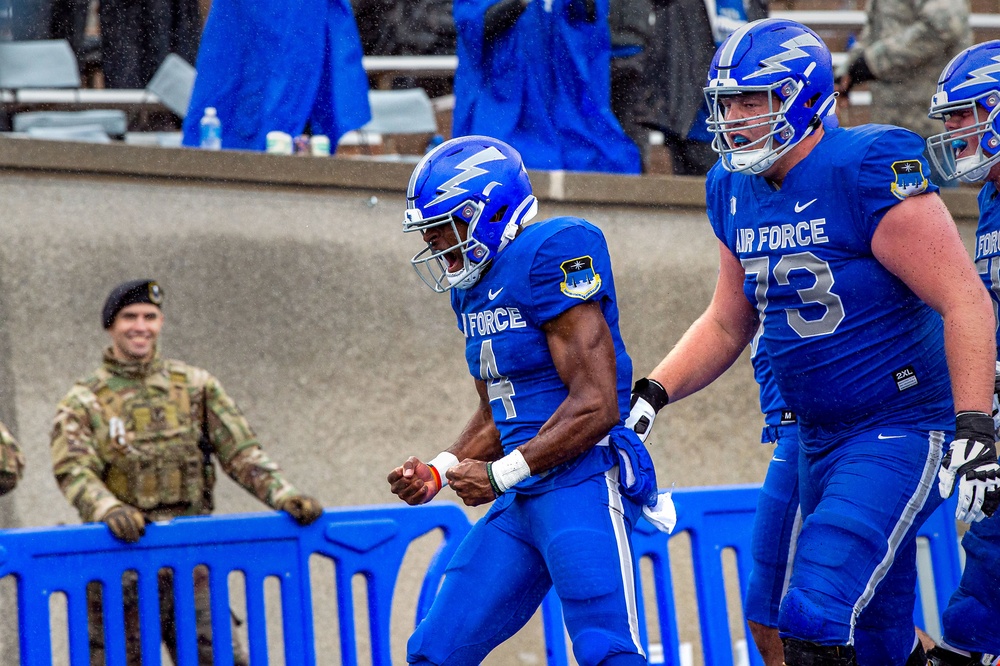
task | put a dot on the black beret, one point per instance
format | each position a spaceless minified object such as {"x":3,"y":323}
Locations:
{"x":128,"y":293}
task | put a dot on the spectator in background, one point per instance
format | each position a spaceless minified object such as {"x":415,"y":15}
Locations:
{"x":536,"y":74}
{"x":136,"y":35}
{"x":408,"y":27}
{"x":279,"y":65}
{"x":686,"y":35}
{"x":631,"y":32}
{"x":11,"y":461}
{"x":137,"y":441}
{"x":903,"y":47}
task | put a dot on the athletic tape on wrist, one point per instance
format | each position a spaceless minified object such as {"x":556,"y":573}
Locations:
{"x":440,"y":465}
{"x":509,"y":471}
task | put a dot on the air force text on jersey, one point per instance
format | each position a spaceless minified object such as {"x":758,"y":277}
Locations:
{"x":491,"y":322}
{"x":779,"y":236}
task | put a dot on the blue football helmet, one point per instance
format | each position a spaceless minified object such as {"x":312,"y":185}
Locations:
{"x":970,"y":82}
{"x":790,"y":63}
{"x":478,"y":186}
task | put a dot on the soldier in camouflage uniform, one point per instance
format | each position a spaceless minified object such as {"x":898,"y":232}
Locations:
{"x":11,"y":461}
{"x":903,"y":47}
{"x":132,"y":443}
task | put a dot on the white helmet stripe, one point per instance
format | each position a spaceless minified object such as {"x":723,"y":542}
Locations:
{"x":729,"y":48}
{"x":946,"y":72}
{"x":982,"y":75}
{"x":418,"y":170}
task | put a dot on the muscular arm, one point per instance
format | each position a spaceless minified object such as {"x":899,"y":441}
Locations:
{"x":917,"y":242}
{"x":479,"y":439}
{"x":414,"y":483}
{"x":714,"y":341}
{"x":584,"y":355}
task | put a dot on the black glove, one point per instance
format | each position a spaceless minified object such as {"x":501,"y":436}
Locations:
{"x":7,"y":482}
{"x":972,"y":462}
{"x":303,"y":508}
{"x":501,"y":17}
{"x":126,"y":523}
{"x":648,"y":397}
{"x":859,"y":72}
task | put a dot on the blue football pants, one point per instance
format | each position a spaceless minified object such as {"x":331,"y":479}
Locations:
{"x":972,"y":619}
{"x":575,"y":538}
{"x":775,"y":533}
{"x":863,"y":496}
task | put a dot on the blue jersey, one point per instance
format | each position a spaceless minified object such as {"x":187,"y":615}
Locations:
{"x":988,"y":246}
{"x":773,"y":406}
{"x":849,"y":344}
{"x":549,"y":268}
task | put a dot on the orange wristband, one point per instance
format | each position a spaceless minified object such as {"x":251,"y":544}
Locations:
{"x":437,"y":476}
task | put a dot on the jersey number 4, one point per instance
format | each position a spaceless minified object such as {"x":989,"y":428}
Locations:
{"x":497,"y":385}
{"x":820,"y":293}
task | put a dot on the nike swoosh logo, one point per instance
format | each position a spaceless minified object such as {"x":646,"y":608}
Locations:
{"x":881,"y":436}
{"x":799,"y":209}
{"x":493,"y":294}
{"x":778,"y":460}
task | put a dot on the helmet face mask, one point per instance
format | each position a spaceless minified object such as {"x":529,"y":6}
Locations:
{"x":945,"y":148}
{"x":968,"y":99}
{"x":432,"y":265}
{"x":479,"y":188}
{"x":787,"y":62}
{"x":755,"y":154}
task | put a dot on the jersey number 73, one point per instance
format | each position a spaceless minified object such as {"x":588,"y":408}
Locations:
{"x":820,"y":293}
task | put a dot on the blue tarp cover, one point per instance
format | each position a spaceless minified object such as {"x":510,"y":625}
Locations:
{"x":543,"y":86}
{"x":268,"y":65}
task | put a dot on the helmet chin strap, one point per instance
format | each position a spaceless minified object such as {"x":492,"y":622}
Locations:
{"x":978,"y":173}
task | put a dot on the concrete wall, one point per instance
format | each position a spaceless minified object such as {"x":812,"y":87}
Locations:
{"x":302,"y":301}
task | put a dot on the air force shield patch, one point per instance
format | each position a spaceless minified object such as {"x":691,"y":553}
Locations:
{"x":580,"y":280}
{"x":910,"y":179}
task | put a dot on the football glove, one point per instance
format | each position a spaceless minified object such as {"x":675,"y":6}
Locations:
{"x":648,"y":397}
{"x":971,"y":465}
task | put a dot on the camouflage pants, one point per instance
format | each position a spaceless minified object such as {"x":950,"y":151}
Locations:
{"x":130,"y":596}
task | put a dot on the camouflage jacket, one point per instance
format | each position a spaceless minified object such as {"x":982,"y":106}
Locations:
{"x":907,"y":43}
{"x":136,"y":433}
{"x":11,"y":459}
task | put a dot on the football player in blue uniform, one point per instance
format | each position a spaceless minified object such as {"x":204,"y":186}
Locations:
{"x":968,"y":101}
{"x":776,"y":527}
{"x":538,"y":310}
{"x":777,"y":520}
{"x":835,"y":243}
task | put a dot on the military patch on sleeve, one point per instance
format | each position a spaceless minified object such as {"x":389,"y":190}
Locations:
{"x":579,"y":279}
{"x":910,"y":179}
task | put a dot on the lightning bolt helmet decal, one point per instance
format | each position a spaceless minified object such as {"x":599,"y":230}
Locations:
{"x":476,"y":188}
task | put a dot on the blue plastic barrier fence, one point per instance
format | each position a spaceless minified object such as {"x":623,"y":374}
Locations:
{"x":370,"y":541}
{"x":367,"y":541}
{"x":720,"y":518}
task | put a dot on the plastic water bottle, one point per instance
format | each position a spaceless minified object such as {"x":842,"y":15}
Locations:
{"x":211,"y":130}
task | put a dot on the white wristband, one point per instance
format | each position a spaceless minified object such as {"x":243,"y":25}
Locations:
{"x":510,"y":470}
{"x":442,"y":462}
